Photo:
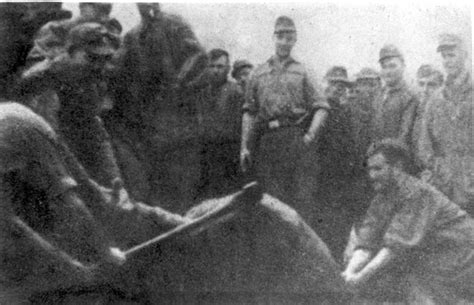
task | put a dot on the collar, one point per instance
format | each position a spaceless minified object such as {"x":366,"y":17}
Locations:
{"x":398,"y":87}
{"x":403,"y":188}
{"x":273,"y":61}
{"x":457,"y":85}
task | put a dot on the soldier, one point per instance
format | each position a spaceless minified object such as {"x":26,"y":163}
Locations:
{"x":153,"y":122}
{"x":395,"y":108}
{"x":333,"y":201}
{"x":368,"y":85}
{"x":241,"y":72}
{"x":283,"y":110}
{"x":50,"y":41}
{"x":58,"y":223}
{"x":414,"y":243}
{"x":51,"y":38}
{"x":446,"y":147}
{"x":220,"y":121}
{"x":429,"y":81}
{"x":19,"y":23}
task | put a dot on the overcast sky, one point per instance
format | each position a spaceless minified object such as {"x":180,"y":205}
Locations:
{"x":328,"y":34}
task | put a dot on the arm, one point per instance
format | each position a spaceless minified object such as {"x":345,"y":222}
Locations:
{"x":408,"y":120}
{"x":426,"y":143}
{"x":312,"y":97}
{"x":250,"y":109}
{"x":317,"y":124}
{"x":248,"y":121}
{"x":382,"y":259}
{"x":359,"y":260}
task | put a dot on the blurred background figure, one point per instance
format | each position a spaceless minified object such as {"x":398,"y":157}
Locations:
{"x":332,"y":216}
{"x":395,"y":108}
{"x":19,"y":23}
{"x":154,"y":124}
{"x":367,"y":88}
{"x":241,"y":72}
{"x":446,"y":147}
{"x":219,"y":114}
{"x":429,"y":83}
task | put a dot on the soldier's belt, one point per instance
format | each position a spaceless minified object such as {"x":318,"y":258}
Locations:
{"x":284,"y":122}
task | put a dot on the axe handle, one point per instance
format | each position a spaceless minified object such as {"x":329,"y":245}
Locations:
{"x":222,"y":212}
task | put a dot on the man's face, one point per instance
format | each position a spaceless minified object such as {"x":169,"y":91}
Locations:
{"x":89,"y":61}
{"x":336,"y":89}
{"x":380,"y":173}
{"x":90,"y":12}
{"x":352,"y":94}
{"x":428,"y":86}
{"x":366,"y":87}
{"x":284,"y":43}
{"x":392,"y":70}
{"x":453,"y":60}
{"x":219,"y":69}
{"x":243,"y":76}
{"x":149,"y":10}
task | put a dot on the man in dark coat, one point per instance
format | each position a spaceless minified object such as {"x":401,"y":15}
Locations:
{"x":19,"y":23}
{"x":219,"y":114}
{"x":153,"y":123}
{"x":395,"y":108}
{"x":446,"y":147}
{"x":334,"y":207}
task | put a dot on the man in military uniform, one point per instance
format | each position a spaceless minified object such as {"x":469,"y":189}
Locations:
{"x":395,"y":108}
{"x":429,"y":81}
{"x":219,"y":113}
{"x":63,"y":203}
{"x":50,"y":41}
{"x":19,"y":22}
{"x":367,"y":86}
{"x":333,"y":199}
{"x":61,"y":213}
{"x":446,"y":147}
{"x":283,"y":110}
{"x":153,"y":123}
{"x":241,"y":72}
{"x":414,"y":244}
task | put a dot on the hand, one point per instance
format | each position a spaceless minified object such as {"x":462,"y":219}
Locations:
{"x":117,"y":256}
{"x":354,"y":281}
{"x":426,"y":176}
{"x":245,"y":160}
{"x":119,"y":195}
{"x":308,"y":139}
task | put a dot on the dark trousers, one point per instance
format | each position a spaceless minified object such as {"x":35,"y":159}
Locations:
{"x":220,"y":173}
{"x":287,"y":168}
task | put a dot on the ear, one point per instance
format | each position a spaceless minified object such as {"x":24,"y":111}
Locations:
{"x":398,"y":166}
{"x":59,"y":31}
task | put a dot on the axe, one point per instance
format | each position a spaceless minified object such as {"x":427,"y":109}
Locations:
{"x":247,"y":197}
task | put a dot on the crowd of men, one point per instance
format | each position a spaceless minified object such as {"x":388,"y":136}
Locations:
{"x":381,"y":172}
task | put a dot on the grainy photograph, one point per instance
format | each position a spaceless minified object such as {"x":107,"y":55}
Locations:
{"x":236,"y":153}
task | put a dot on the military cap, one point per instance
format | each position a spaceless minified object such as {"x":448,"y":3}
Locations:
{"x":448,"y":41}
{"x":392,"y":144}
{"x":429,"y":71}
{"x":284,"y":24}
{"x":389,"y":51}
{"x":425,"y":71}
{"x":94,"y":38}
{"x":337,"y":74}
{"x":103,"y":7}
{"x":367,"y":73}
{"x":239,"y":65}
